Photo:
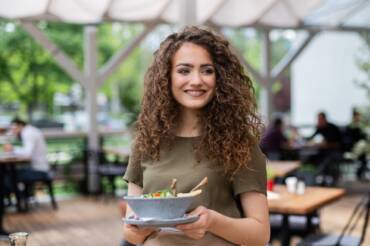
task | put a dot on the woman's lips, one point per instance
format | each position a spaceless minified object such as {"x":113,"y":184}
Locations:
{"x":195,"y":93}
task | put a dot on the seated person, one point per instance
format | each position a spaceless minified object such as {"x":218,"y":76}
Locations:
{"x":329,"y":150}
{"x":273,"y":140}
{"x":329,"y":131}
{"x":355,"y":133}
{"x":34,"y":147}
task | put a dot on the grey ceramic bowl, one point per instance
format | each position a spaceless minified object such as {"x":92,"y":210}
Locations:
{"x":162,"y":208}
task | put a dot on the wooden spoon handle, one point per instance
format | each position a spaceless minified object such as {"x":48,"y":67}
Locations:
{"x":203,"y":182}
{"x":173,"y":186}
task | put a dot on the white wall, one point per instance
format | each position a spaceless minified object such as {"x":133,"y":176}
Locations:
{"x":323,"y":79}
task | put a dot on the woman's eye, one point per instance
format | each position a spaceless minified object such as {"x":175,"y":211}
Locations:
{"x":208,"y":71}
{"x":183,"y":71}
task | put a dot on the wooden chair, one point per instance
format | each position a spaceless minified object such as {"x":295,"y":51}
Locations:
{"x":362,"y":208}
{"x":110,"y":170}
{"x":43,"y":178}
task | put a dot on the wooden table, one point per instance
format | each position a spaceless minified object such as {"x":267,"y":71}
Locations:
{"x":307,"y":204}
{"x":9,"y":160}
{"x":283,"y":168}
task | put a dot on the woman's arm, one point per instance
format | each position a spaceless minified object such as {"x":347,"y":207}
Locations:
{"x":252,"y":230}
{"x":132,"y":233}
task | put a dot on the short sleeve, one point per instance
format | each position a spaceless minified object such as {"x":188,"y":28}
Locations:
{"x":134,"y":172}
{"x":253,"y":177}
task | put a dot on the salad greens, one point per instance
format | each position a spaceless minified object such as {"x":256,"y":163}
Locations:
{"x":159,"y":194}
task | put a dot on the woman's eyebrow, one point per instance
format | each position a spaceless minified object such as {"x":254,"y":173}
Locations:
{"x":191,"y":65}
{"x":184,"y":64}
{"x":206,"y":65}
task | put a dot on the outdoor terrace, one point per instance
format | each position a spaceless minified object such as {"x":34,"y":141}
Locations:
{"x":96,"y":222}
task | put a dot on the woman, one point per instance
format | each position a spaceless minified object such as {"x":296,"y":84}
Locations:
{"x":199,"y":120}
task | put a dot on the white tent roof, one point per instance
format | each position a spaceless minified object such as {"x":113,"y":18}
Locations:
{"x":234,"y":13}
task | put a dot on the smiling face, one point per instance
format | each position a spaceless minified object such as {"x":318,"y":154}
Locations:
{"x":193,"y":77}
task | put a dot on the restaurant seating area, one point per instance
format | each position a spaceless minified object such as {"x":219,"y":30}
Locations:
{"x":293,"y":216}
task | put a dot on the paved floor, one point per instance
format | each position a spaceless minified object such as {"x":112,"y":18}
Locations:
{"x":81,"y":221}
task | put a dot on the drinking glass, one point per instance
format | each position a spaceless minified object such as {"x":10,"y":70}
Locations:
{"x":18,"y":239}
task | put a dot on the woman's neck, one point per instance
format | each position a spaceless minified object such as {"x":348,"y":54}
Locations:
{"x":188,"y":124}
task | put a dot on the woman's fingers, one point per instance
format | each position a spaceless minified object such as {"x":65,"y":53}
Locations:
{"x":198,"y":211}
{"x":140,"y":231}
{"x":199,"y":224}
{"x":202,"y":222}
{"x":197,"y":229}
{"x":195,"y":234}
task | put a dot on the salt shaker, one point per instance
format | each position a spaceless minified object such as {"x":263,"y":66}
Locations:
{"x":301,"y":186}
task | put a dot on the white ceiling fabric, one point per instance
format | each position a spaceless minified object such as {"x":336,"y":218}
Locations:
{"x":232,"y":13}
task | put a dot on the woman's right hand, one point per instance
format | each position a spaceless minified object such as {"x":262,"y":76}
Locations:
{"x":136,"y":235}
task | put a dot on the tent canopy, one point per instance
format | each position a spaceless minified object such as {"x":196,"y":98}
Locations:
{"x":346,"y":14}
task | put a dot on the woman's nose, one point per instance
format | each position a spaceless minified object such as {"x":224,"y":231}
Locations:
{"x":196,"y":79}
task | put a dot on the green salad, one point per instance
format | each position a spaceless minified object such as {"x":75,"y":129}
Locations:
{"x":159,"y":194}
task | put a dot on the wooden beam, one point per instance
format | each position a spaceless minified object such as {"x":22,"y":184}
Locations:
{"x":110,"y":66}
{"x":90,"y":56}
{"x":291,"y":56}
{"x":61,"y":58}
{"x":257,"y":75}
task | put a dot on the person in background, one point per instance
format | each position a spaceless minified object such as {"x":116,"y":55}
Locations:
{"x":199,"y":119}
{"x":274,"y":141}
{"x":355,"y":131}
{"x":354,"y":134}
{"x":331,"y":134}
{"x":34,"y":147}
{"x":329,"y":151}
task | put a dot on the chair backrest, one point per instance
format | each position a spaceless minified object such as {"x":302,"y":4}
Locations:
{"x":366,"y":220}
{"x":363,"y":207}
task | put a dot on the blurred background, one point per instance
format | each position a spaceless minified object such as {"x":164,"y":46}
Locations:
{"x":75,"y":69}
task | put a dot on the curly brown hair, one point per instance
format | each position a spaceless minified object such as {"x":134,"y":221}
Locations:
{"x":230,"y":123}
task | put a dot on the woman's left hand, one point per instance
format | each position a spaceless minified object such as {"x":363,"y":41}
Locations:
{"x":197,"y":229}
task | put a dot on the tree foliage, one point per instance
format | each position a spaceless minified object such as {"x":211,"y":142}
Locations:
{"x":29,"y":75}
{"x":363,"y":63}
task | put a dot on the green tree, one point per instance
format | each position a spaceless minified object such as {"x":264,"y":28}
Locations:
{"x":128,"y":78}
{"x":249,"y":42}
{"x":363,"y":63}
{"x":29,"y":75}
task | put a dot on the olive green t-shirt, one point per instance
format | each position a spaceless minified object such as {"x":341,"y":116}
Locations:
{"x":219,"y":194}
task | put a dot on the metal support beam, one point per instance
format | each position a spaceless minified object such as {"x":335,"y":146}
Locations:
{"x":61,"y":58}
{"x":246,"y":64}
{"x":351,"y":12}
{"x":187,"y":12}
{"x":91,"y":81}
{"x":122,"y":54}
{"x":207,"y":20}
{"x":291,"y":56}
{"x":267,"y":103}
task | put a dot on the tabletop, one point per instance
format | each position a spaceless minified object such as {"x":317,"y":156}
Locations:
{"x":6,"y":158}
{"x":314,"y":198}
{"x":282,"y":168}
